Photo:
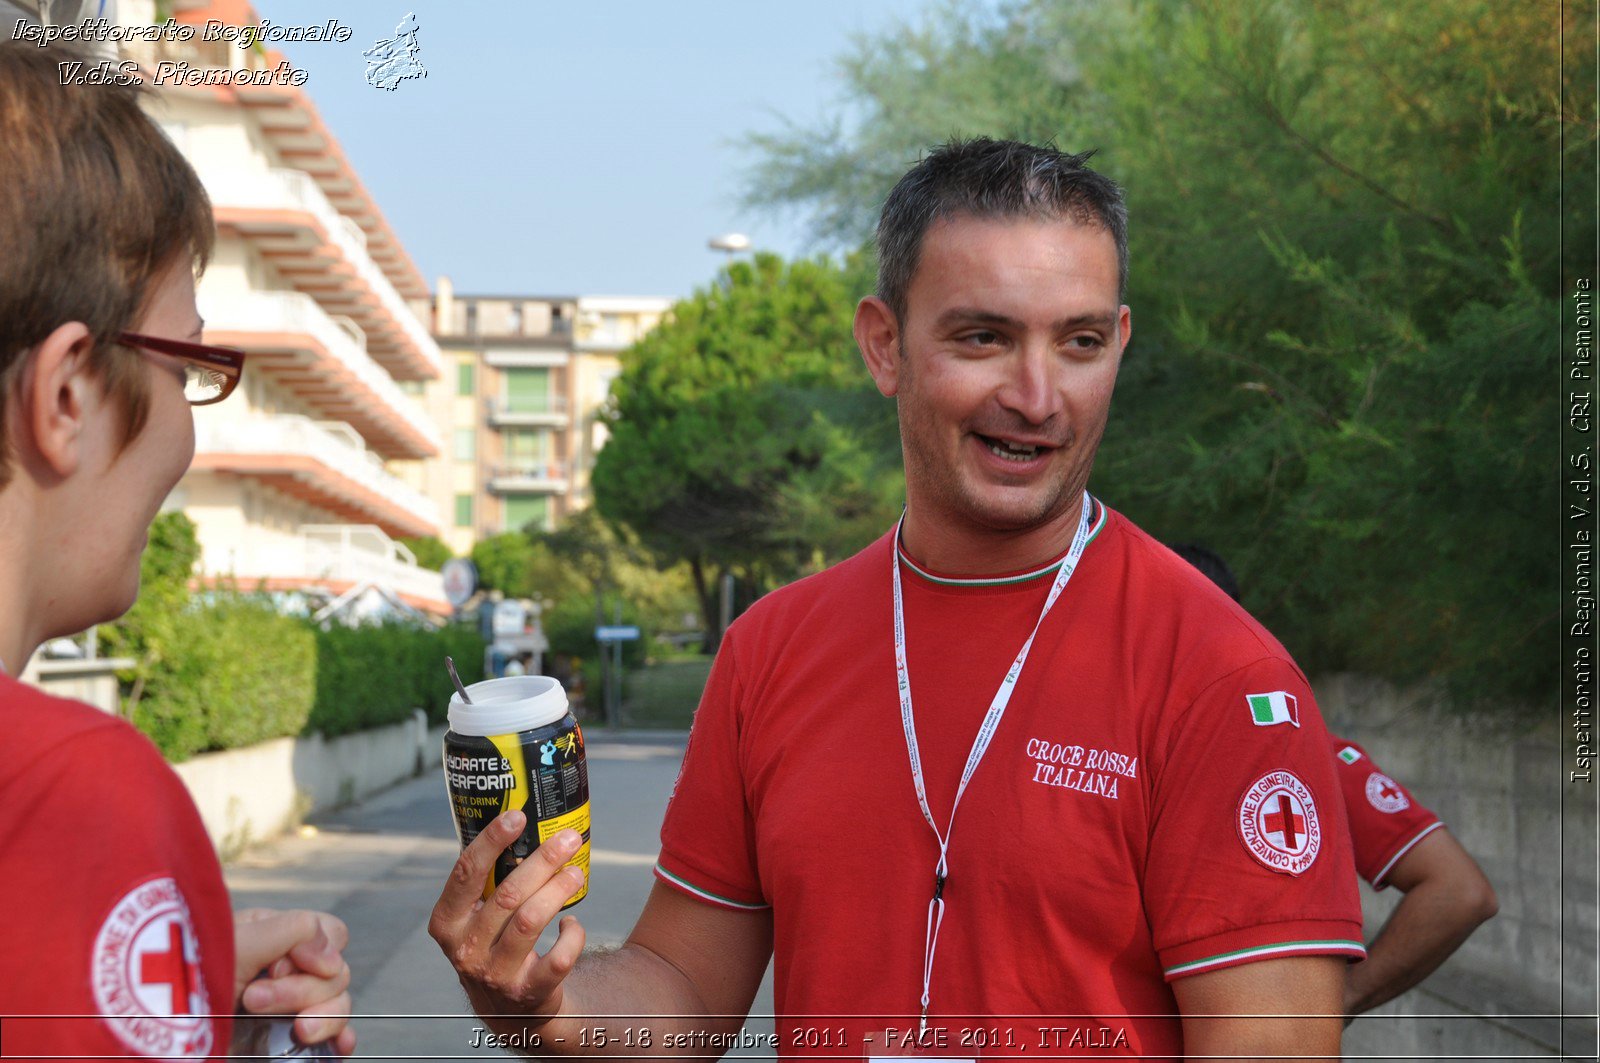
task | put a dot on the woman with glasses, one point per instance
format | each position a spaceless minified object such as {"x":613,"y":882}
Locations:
{"x":119,"y":937}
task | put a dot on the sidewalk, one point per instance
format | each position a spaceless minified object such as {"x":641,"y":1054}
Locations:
{"x":379,"y":865}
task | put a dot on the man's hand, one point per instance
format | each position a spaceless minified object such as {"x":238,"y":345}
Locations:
{"x":306,"y":975}
{"x":1446,"y":897}
{"x":491,"y":943}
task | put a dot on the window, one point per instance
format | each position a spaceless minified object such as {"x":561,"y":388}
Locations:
{"x":521,"y":512}
{"x":466,"y":444}
{"x":466,"y":378}
{"x":472,"y":319}
{"x":527,"y":390}
{"x":514,"y":319}
{"x":526,"y":451}
{"x":463,"y":511}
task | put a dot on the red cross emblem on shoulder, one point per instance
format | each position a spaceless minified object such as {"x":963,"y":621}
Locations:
{"x":148,"y":982}
{"x":1385,"y":794}
{"x":1278,"y":822}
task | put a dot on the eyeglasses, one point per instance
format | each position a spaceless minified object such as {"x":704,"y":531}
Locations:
{"x":209,"y":373}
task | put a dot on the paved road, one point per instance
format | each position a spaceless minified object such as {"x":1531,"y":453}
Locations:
{"x":379,"y":866}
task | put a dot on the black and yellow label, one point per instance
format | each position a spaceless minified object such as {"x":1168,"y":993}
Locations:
{"x":542,"y":771}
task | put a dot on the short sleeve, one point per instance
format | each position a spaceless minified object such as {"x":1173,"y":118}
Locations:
{"x":127,"y":949}
{"x":1386,"y":821}
{"x":708,"y":837}
{"x":1249,"y":855}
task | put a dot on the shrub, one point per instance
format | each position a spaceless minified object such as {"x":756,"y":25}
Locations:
{"x":227,"y":670}
{"x":570,"y":628}
{"x":372,"y":676}
{"x":234,"y":672}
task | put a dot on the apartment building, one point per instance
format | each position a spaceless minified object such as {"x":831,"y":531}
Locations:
{"x":526,"y":378}
{"x":294,"y":483}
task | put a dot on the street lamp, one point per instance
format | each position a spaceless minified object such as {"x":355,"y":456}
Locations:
{"x":732,"y":243}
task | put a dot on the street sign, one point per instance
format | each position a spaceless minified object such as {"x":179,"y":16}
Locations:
{"x":460,"y":580}
{"x":510,"y":617}
{"x":616,"y":633}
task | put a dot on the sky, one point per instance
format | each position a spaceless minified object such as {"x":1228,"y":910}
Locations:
{"x":578,"y":148}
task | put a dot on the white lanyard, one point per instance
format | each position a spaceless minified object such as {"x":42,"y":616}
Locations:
{"x":980,"y":744}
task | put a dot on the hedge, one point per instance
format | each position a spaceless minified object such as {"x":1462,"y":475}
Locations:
{"x":371,"y":676}
{"x":234,"y":672}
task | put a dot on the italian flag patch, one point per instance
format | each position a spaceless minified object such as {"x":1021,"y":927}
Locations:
{"x":1349,"y":754}
{"x":1279,"y":706}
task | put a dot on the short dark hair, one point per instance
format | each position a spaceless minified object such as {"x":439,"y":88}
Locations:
{"x":95,"y":205}
{"x":984,"y":178}
{"x":1210,"y":563}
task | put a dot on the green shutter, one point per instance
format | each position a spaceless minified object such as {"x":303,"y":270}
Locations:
{"x":463,"y":511}
{"x":528,"y":390}
{"x":524,"y":510}
{"x":466,"y":378}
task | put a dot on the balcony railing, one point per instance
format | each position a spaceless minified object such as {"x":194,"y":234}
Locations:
{"x":608,"y":339}
{"x":550,"y":411}
{"x":280,"y":189}
{"x":298,"y":312}
{"x":362,"y":553}
{"x":333,"y":445}
{"x":542,"y":477}
{"x":331,"y":553}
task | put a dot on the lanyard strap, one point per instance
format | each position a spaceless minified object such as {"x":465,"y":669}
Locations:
{"x":980,"y":744}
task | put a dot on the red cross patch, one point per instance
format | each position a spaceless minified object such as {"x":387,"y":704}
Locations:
{"x":1278,"y":823}
{"x":146,"y":974}
{"x":1385,"y":794}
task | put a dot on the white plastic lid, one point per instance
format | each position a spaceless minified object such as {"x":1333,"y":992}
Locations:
{"x":508,"y":705}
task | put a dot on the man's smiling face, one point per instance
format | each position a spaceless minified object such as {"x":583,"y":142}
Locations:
{"x":1009,"y":351}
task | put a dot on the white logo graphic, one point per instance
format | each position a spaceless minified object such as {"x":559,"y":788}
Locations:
{"x":1385,"y":794}
{"x":146,"y":974}
{"x":1278,"y":823}
{"x":395,"y":60}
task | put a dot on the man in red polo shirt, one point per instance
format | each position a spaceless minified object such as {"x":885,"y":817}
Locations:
{"x":1014,"y":779}
{"x":1397,"y":842}
{"x":1400,"y":843}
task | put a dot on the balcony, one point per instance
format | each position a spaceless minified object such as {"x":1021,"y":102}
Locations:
{"x":550,"y":413}
{"x":323,"y":464}
{"x":514,"y":359}
{"x":355,"y":554}
{"x":608,"y":339}
{"x":531,"y":477}
{"x":335,"y":558}
{"x":324,"y":254}
{"x":325,"y":363}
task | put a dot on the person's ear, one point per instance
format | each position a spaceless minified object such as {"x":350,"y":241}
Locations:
{"x":877,"y":333}
{"x":58,"y":394}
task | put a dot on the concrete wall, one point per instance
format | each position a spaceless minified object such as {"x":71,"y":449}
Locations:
{"x":246,"y":795}
{"x":93,"y":681}
{"x":1503,"y":791}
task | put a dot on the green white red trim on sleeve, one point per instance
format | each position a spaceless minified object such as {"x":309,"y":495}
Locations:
{"x":703,"y":888}
{"x":1270,"y":942}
